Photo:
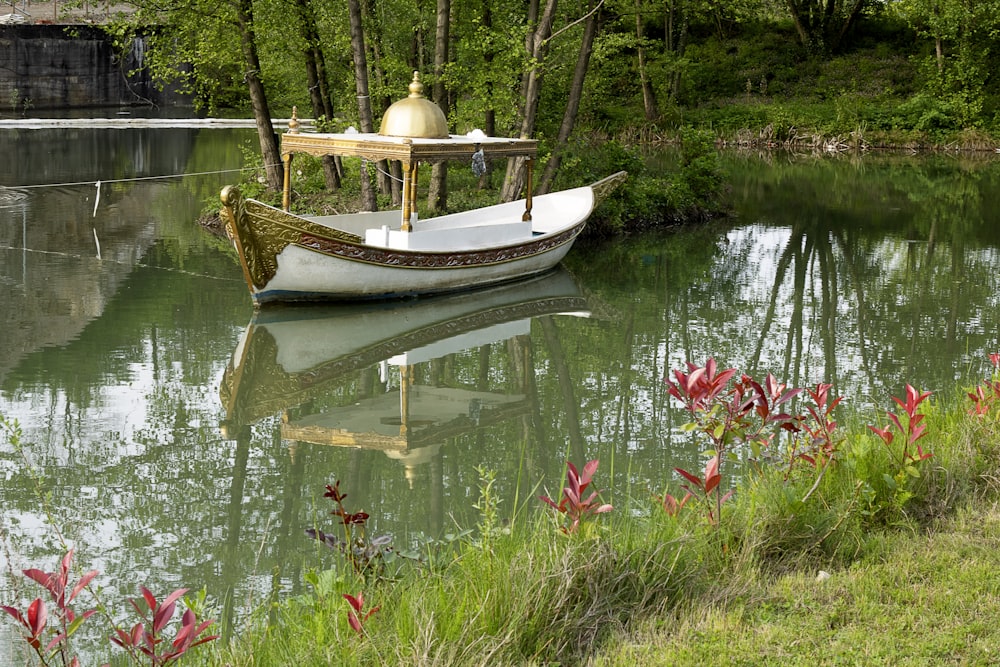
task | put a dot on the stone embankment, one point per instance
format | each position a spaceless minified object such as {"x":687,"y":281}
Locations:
{"x":55,"y":56}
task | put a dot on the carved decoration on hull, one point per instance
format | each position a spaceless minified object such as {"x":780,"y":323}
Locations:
{"x":261,"y":233}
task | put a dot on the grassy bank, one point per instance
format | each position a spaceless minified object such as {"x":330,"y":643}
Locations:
{"x":906,"y":527}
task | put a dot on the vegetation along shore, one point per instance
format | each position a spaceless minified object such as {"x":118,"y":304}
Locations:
{"x":826,"y":76}
{"x":810,"y":536}
{"x":815,"y":533}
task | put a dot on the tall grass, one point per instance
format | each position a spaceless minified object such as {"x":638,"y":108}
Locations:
{"x":638,"y":578}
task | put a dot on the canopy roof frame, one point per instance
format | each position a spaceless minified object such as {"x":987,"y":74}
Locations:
{"x":409,"y":151}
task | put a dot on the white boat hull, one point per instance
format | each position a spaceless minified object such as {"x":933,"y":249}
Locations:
{"x":291,"y":258}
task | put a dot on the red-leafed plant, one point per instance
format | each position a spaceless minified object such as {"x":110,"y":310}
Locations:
{"x":706,"y":489}
{"x":146,"y":638}
{"x":909,"y":452}
{"x":729,"y":410}
{"x":36,"y":618}
{"x":573,"y":504}
{"x":814,"y":442}
{"x":366,"y":555}
{"x":904,"y":452}
{"x":671,"y":505}
{"x":986,"y":395}
{"x":356,"y":616}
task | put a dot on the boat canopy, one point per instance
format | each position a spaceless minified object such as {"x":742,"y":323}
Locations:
{"x":411,"y":114}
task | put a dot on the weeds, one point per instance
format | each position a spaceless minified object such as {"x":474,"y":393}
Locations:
{"x":144,"y":643}
{"x":36,"y":618}
{"x":367,"y":556}
{"x":573,"y":505}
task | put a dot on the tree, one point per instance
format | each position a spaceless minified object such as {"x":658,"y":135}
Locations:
{"x":648,"y":95}
{"x":368,"y":200}
{"x":536,"y":46}
{"x":258,"y":97}
{"x":964,"y":33}
{"x":573,"y":101}
{"x":194,"y":44}
{"x":319,"y":88}
{"x":437,"y":197}
{"x":822,"y":24}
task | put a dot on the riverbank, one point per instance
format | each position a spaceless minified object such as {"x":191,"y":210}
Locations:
{"x":865,"y":549}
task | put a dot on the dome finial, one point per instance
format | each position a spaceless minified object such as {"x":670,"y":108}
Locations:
{"x":416,"y":88}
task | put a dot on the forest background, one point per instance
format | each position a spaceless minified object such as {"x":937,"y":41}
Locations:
{"x":596,"y":81}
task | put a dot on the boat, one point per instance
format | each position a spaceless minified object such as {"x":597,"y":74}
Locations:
{"x":295,"y":361}
{"x":392,"y":254}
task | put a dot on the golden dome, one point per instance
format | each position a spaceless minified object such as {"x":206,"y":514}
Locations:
{"x":414,"y":116}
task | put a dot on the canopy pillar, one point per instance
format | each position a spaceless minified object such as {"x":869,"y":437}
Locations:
{"x":529,"y":165}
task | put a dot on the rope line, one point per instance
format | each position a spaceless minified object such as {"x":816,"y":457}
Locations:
{"x":129,"y":180}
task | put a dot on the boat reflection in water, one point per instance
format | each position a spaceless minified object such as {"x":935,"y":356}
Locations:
{"x":297,"y":361}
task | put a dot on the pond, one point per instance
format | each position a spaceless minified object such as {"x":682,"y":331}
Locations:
{"x":175,"y":438}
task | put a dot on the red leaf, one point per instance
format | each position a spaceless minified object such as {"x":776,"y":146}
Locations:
{"x":689,"y":477}
{"x":588,"y":471}
{"x":693,"y":379}
{"x":15,"y":613}
{"x":352,"y":618}
{"x":356,"y":602}
{"x":37,"y":617}
{"x":711,"y":483}
{"x":173,"y":597}
{"x":148,"y":597}
{"x":80,"y":585}
{"x":162,"y":616}
{"x":712,"y":468}
{"x":546,"y":499}
{"x":137,"y":634}
{"x":55,"y":641}
{"x":122,"y":639}
{"x":895,"y":420}
{"x":884,"y":433}
{"x":44,"y":578}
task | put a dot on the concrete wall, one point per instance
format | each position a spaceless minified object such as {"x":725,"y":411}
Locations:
{"x":64,"y":67}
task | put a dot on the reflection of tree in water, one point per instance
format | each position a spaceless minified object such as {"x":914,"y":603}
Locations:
{"x":811,"y":251}
{"x":896,"y":296}
{"x":868,"y":275}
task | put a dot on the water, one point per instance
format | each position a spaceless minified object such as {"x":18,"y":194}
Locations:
{"x":178,"y":439}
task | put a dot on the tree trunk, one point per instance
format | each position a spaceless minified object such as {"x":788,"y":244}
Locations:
{"x":676,"y":29}
{"x":538,"y":41}
{"x":269,"y":150}
{"x":800,"y":26}
{"x":490,"y":115}
{"x":383,"y":172}
{"x":437,"y":196}
{"x":573,"y":104}
{"x":316,"y":79}
{"x":368,"y":201}
{"x":648,"y":96}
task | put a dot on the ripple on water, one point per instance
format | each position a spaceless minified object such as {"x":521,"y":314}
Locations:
{"x":11,"y":196}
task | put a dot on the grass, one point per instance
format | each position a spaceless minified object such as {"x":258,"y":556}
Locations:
{"x":918,"y":597}
{"x":914,"y":576}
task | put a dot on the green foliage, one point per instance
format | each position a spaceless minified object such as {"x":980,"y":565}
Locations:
{"x":522,"y":598}
{"x":658,"y":198}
